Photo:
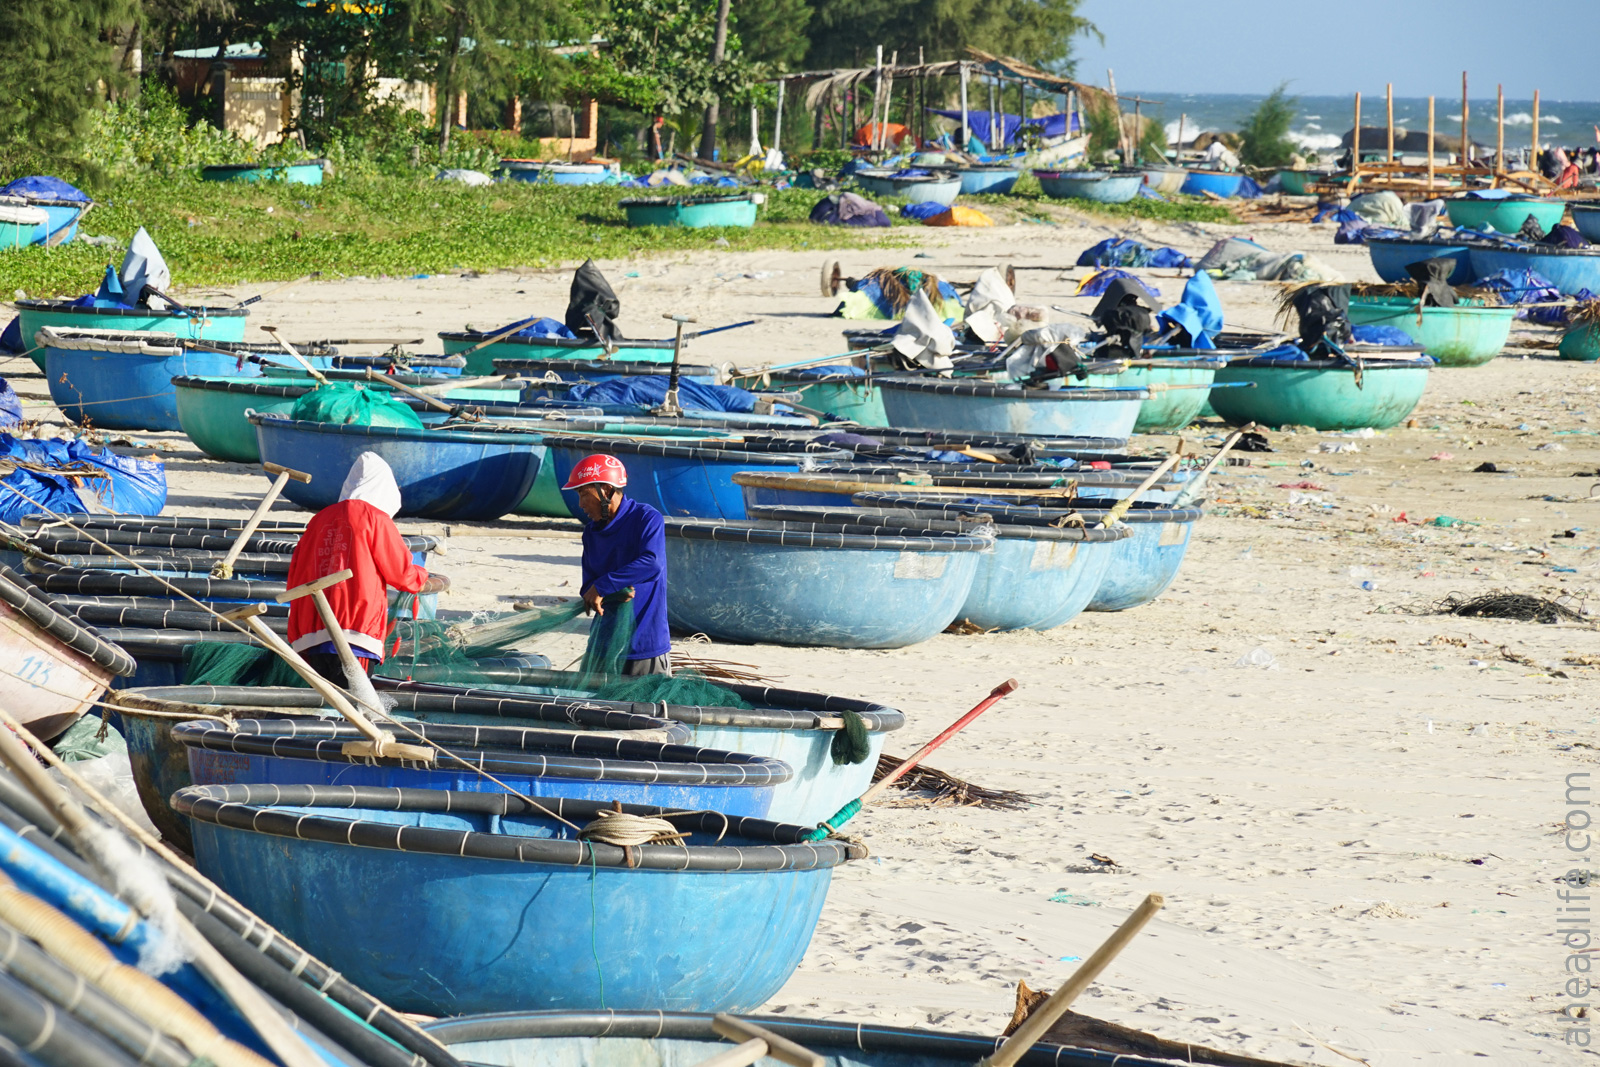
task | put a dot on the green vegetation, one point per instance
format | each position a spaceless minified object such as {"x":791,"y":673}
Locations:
{"x":226,"y":234}
{"x":49,"y":51}
{"x":1265,"y":134}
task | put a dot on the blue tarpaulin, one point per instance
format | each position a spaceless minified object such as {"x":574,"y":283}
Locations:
{"x":44,"y":187}
{"x":649,"y":390}
{"x":1380,"y":335}
{"x":926,"y":209}
{"x":1126,"y":252}
{"x":542,"y":327}
{"x":982,"y":123}
{"x":1095,"y":284}
{"x":128,"y":486}
{"x":1199,"y":312}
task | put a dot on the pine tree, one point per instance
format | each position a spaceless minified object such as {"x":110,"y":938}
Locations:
{"x":57,"y":64}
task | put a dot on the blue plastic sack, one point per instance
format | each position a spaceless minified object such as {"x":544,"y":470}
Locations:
{"x":1335,"y":213}
{"x":1380,"y":335}
{"x":1249,"y":188}
{"x":1125,"y":252}
{"x":541,"y":327}
{"x":1095,"y":284}
{"x":10,"y":405}
{"x":44,"y":187}
{"x":1199,"y":312}
{"x":649,"y":390}
{"x":11,"y":338}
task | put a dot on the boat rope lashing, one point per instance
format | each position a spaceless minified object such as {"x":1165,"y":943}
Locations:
{"x":623,"y":829}
{"x":851,"y":742}
{"x":1074,"y":521}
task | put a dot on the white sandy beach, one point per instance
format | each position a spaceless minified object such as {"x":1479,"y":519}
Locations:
{"x":1357,"y":846}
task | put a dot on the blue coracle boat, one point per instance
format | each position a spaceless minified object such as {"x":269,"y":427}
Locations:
{"x":987,"y":407}
{"x":443,"y":473}
{"x":535,"y":763}
{"x":1099,"y":186}
{"x":1219,"y":183}
{"x":490,"y":904}
{"x":122,"y":380}
{"x":693,"y":480}
{"x":1571,"y":270}
{"x":651,"y":1038}
{"x":783,"y":724}
{"x":212,"y":324}
{"x":833,"y":485}
{"x":1034,"y":578}
{"x":1142,"y":566}
{"x":988,"y":178}
{"x":1392,"y":255}
{"x":816,"y":584}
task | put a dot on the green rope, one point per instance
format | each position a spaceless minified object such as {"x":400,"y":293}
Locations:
{"x":594,"y":924}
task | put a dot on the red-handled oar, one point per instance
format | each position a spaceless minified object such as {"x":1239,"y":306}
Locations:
{"x":844,"y":814}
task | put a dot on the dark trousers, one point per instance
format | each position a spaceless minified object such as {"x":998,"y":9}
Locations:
{"x":327,"y":664}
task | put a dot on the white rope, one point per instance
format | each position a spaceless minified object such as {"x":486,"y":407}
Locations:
{"x":622,"y":829}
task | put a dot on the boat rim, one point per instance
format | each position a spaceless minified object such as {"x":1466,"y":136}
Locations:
{"x":39,"y":608}
{"x":255,"y":807}
{"x":820,"y":535}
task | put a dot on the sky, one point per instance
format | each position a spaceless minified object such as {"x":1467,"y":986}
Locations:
{"x":1422,"y":46}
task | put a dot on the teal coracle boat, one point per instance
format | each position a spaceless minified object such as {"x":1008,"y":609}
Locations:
{"x":554,"y":172}
{"x":1581,"y":343}
{"x":305,"y":172}
{"x":1098,"y":186}
{"x":1467,"y":335}
{"x":212,"y":324}
{"x":566,"y":348}
{"x":1295,"y":182}
{"x":1586,"y":217}
{"x":1177,"y":390}
{"x":1322,"y":393}
{"x":846,"y":396}
{"x":1506,"y":214}
{"x":988,"y":178}
{"x":692,"y":212}
{"x":19,"y":223}
{"x":938,"y":187}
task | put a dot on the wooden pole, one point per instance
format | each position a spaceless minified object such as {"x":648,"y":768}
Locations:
{"x":1116,"y":109}
{"x":1466,"y":142}
{"x":1047,"y":1014}
{"x":1388,"y":100}
{"x":1430,"y":144}
{"x":777,"y":122}
{"x":1499,"y":131}
{"x":966,"y":136}
{"x":996,"y":137}
{"x":1533,"y":163}
{"x":224,"y":566}
{"x":877,"y":95}
{"x":1355,"y":146}
{"x":1178,"y":153}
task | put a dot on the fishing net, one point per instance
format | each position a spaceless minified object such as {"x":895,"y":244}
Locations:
{"x":236,"y":663}
{"x":347,"y":404}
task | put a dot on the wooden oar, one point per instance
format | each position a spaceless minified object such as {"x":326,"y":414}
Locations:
{"x":224,"y":567}
{"x":1047,"y":1014}
{"x":1198,"y":482}
{"x":272,"y":332}
{"x":844,"y":814}
{"x":379,"y":744}
{"x":341,"y":640}
{"x":461,"y":383}
{"x":1121,"y":507}
{"x":455,"y":411}
{"x":756,"y":1043}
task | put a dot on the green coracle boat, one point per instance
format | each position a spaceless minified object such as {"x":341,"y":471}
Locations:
{"x":1322,"y":393}
{"x":1167,"y":410}
{"x":1506,"y":215}
{"x":846,"y":396}
{"x":211,"y":324}
{"x":1581,"y":343}
{"x":1467,"y":335}
{"x":482,"y":361}
{"x":693,"y":211}
{"x":211,"y":411}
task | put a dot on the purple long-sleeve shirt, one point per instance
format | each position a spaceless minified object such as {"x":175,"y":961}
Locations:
{"x":630,"y":551}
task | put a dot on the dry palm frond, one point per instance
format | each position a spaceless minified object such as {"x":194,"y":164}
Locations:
{"x":1586,"y":313}
{"x":1286,"y":294}
{"x":896,"y":283}
{"x":1485,"y":297}
{"x":719,"y":670}
{"x":945,"y":788}
{"x":1520,"y":607}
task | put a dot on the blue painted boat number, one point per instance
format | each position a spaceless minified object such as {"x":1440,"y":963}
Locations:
{"x":36,"y":670}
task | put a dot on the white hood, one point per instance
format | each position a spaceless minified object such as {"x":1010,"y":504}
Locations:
{"x":370,"y":480}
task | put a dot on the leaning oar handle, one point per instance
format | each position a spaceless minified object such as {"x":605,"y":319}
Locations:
{"x":844,"y":814}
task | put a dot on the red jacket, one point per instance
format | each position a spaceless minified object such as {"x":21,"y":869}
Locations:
{"x":353,"y":534}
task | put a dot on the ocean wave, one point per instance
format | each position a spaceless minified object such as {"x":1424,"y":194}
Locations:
{"x":1315,"y":141}
{"x":1522,"y":118}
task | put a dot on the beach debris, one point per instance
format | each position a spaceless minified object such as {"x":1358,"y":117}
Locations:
{"x":1251,"y":441}
{"x":1102,"y":861}
{"x":941,"y":788}
{"x":1519,"y":607}
{"x":1486,"y":468}
{"x":1085,"y":1031}
{"x":1061,"y":896}
{"x":1442,"y":456}
{"x":1259,"y":658}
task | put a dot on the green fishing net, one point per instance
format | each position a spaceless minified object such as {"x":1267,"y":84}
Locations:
{"x":236,"y":663}
{"x":346,"y":403}
{"x":482,"y":652}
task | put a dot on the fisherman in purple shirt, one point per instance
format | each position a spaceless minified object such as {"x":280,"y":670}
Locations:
{"x":624,"y":552}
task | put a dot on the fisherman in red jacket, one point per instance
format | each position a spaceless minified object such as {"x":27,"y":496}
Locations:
{"x":357,"y":533}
